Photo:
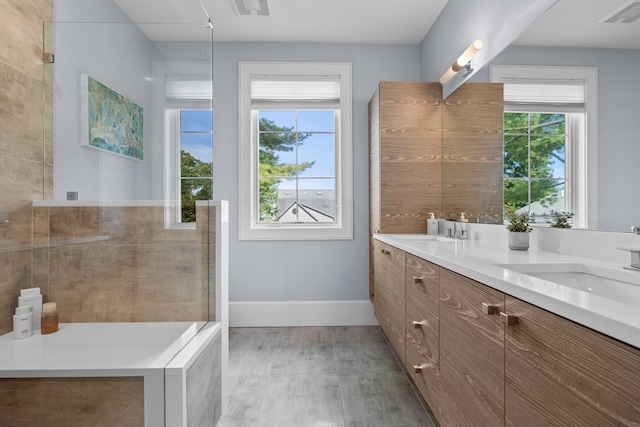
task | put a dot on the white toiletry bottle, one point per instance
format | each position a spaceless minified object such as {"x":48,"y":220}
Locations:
{"x":32,"y":298}
{"x":461,"y":227}
{"x":432,"y":224}
{"x":23,"y":323}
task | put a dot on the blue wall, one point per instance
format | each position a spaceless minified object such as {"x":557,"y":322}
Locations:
{"x":298,"y":270}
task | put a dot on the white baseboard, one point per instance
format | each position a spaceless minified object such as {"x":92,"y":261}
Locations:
{"x":300,"y":313}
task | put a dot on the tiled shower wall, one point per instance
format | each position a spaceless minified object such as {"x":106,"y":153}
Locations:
{"x":26,"y":140}
{"x":120,"y":264}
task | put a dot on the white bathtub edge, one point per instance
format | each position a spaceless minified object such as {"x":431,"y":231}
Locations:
{"x":175,"y":396}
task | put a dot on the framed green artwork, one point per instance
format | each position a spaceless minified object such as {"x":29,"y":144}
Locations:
{"x":111,"y":121}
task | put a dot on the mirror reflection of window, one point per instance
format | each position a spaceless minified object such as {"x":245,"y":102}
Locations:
{"x":535,"y":172}
{"x":547,"y":144}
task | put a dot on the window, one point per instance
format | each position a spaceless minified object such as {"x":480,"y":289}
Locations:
{"x":295,"y":151}
{"x":549,"y":145}
{"x":188,"y":130}
{"x":196,"y":161}
{"x":296,"y":173}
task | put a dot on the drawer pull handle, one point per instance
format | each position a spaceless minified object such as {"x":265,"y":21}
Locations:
{"x":508,"y":320}
{"x":385,"y":251}
{"x":418,"y":325}
{"x":417,"y":279}
{"x":490,"y":309}
{"x":419,"y":368}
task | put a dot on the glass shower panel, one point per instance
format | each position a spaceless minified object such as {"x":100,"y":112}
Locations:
{"x":114,"y":251}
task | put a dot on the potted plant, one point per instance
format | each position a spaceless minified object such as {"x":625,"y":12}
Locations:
{"x":519,"y":229}
{"x":560,"y":219}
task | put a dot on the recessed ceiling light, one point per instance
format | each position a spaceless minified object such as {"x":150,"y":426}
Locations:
{"x":252,"y":7}
{"x":626,"y":13}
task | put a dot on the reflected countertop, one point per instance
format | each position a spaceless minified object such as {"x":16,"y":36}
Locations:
{"x":482,"y":260}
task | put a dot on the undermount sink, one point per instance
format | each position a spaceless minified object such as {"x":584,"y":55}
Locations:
{"x":619,"y":285}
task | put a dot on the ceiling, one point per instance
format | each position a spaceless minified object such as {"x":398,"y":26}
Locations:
{"x":568,"y":23}
{"x":331,"y":21}
{"x":574,"y":23}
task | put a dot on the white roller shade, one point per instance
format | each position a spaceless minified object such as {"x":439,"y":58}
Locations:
{"x":544,"y":96}
{"x":189,"y":87}
{"x":323,"y":92}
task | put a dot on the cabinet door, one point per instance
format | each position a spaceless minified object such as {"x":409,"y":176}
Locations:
{"x":562,"y":373}
{"x":389,"y":301}
{"x":406,"y":166}
{"x":471,"y":353}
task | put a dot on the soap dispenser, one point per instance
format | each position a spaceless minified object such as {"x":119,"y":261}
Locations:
{"x":432,"y":224}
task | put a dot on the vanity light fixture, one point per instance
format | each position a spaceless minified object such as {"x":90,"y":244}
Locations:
{"x":462,"y":61}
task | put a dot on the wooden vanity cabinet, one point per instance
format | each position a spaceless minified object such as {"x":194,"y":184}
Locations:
{"x":481,"y":358}
{"x":561,"y":373}
{"x":389,"y":307}
{"x":471,"y":353}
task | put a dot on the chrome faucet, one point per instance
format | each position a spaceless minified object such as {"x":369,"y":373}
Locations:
{"x":634,"y":261}
{"x":460,"y":230}
{"x":446,"y":228}
{"x":635,"y":229}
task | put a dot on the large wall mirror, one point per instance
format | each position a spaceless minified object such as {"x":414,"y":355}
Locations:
{"x":572,"y":34}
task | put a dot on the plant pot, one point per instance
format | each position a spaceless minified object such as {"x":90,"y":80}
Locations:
{"x":518,"y":241}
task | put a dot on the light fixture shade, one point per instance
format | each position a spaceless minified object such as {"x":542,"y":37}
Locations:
{"x":468,"y":54}
{"x":447,"y":75}
{"x":461,"y":61}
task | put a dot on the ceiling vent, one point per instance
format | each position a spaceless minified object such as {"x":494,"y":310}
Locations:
{"x":626,"y":13}
{"x":252,"y":7}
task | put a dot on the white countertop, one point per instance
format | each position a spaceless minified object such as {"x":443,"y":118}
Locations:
{"x":95,"y":349}
{"x":477,"y":260}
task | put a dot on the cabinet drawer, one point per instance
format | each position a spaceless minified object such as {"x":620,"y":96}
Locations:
{"x":422,"y":348}
{"x":422,"y":282}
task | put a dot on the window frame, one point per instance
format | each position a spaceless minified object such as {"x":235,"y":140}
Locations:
{"x":582,"y":166}
{"x":249,"y":227}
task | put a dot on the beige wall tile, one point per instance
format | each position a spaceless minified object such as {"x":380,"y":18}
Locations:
{"x":40,"y":225}
{"x":107,"y":283}
{"x":21,"y":115}
{"x":15,"y":229}
{"x":20,"y":183}
{"x":64,"y":402}
{"x":68,"y":223}
{"x":21,"y":33}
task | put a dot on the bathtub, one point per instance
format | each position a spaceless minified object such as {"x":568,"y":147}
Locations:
{"x":175,"y":365}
